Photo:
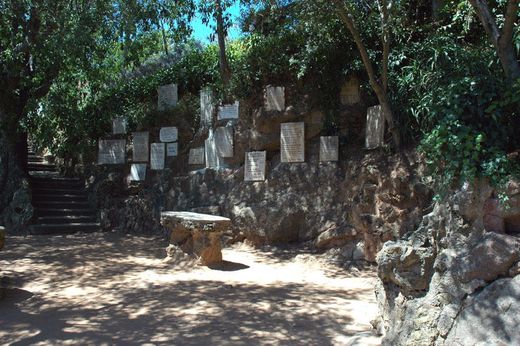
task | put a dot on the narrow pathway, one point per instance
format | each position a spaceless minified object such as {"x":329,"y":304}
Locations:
{"x":61,"y":204}
{"x":101,"y":288}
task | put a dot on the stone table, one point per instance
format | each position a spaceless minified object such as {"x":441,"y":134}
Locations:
{"x":197,"y":234}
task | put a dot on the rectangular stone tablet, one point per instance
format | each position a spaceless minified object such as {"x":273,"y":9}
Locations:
{"x":119,"y":125}
{"x":196,"y":156}
{"x":167,"y":97}
{"x":111,"y":151}
{"x":138,"y":172}
{"x":228,"y":111}
{"x":254,"y":169}
{"x":157,"y":153}
{"x":210,"y":152}
{"x":172,"y":149}
{"x":168,"y":134}
{"x":292,"y":142}
{"x":140,"y":146}
{"x":206,"y":107}
{"x":224,"y":141}
{"x":274,"y":98}
{"x":375,"y":132}
{"x":329,"y":148}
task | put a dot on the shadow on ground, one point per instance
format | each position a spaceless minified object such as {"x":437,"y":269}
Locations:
{"x":108,"y":289}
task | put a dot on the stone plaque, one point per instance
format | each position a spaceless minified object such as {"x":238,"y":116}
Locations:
{"x":224,"y":141}
{"x":111,"y":151}
{"x":274,"y":98}
{"x":157,"y":153}
{"x":254,"y":169}
{"x":138,"y":172}
{"x":140,"y":146}
{"x":196,"y":156}
{"x":119,"y":126}
{"x":228,"y":111}
{"x":329,"y":148}
{"x":375,"y":132}
{"x":210,"y":151}
{"x":206,"y":107}
{"x":168,"y":134}
{"x":292,"y":142}
{"x":172,"y":149}
{"x":167,"y":97}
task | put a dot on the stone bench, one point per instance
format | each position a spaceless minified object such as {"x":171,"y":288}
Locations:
{"x":197,"y":234}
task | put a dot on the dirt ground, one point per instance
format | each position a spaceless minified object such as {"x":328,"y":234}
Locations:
{"x":109,"y":289}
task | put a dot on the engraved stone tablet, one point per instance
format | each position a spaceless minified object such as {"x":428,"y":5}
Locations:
{"x":228,"y":111}
{"x":254,"y":169}
{"x":172,"y":149}
{"x":206,"y":107}
{"x":224,"y":141}
{"x":292,"y":142}
{"x":157,"y":153}
{"x":196,"y":156}
{"x":211,"y":155}
{"x":119,"y":125}
{"x":329,"y":148}
{"x":138,"y":172}
{"x":375,"y":127}
{"x":140,"y":146}
{"x":168,"y":134}
{"x":167,"y":97}
{"x":274,"y":98}
{"x":111,"y":151}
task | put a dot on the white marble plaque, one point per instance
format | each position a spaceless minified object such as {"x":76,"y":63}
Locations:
{"x":274,"y":98}
{"x":375,"y":132}
{"x":329,"y":148}
{"x":138,"y":172}
{"x":224,"y":141}
{"x":111,"y":151}
{"x":206,"y":107}
{"x":210,"y":152}
{"x":254,"y":169}
{"x":119,"y":125}
{"x":292,"y":142}
{"x":140,"y":146}
{"x":172,"y":149}
{"x":228,"y":111}
{"x":168,"y":134}
{"x":157,"y":153}
{"x":167,"y":97}
{"x":196,"y":156}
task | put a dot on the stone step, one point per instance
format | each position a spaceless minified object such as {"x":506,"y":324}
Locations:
{"x":54,"y":182}
{"x":61,"y":204}
{"x":58,"y":197}
{"x":65,"y":219}
{"x":44,"y":229}
{"x":41,"y":168}
{"x":77,"y":191}
{"x":42,"y":212}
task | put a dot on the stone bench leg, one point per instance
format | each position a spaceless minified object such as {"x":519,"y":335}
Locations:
{"x":207,"y":246}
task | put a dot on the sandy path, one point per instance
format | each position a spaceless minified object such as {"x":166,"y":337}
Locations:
{"x":106,"y":289}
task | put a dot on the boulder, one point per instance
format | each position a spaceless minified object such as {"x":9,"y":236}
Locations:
{"x":490,"y":317}
{"x":335,"y":237}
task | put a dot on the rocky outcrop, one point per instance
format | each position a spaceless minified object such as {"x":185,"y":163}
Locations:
{"x":2,"y":237}
{"x":446,"y":277}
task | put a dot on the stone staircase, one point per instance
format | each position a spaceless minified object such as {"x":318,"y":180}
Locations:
{"x":60,"y":204}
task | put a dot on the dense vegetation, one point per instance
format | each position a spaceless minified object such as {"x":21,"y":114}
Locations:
{"x":448,"y":85}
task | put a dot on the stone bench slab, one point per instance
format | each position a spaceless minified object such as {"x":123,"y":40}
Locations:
{"x":196,"y":233}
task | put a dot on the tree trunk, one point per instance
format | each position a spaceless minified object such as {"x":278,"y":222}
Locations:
{"x":377,"y":87}
{"x":225,"y":71}
{"x":502,"y":41}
